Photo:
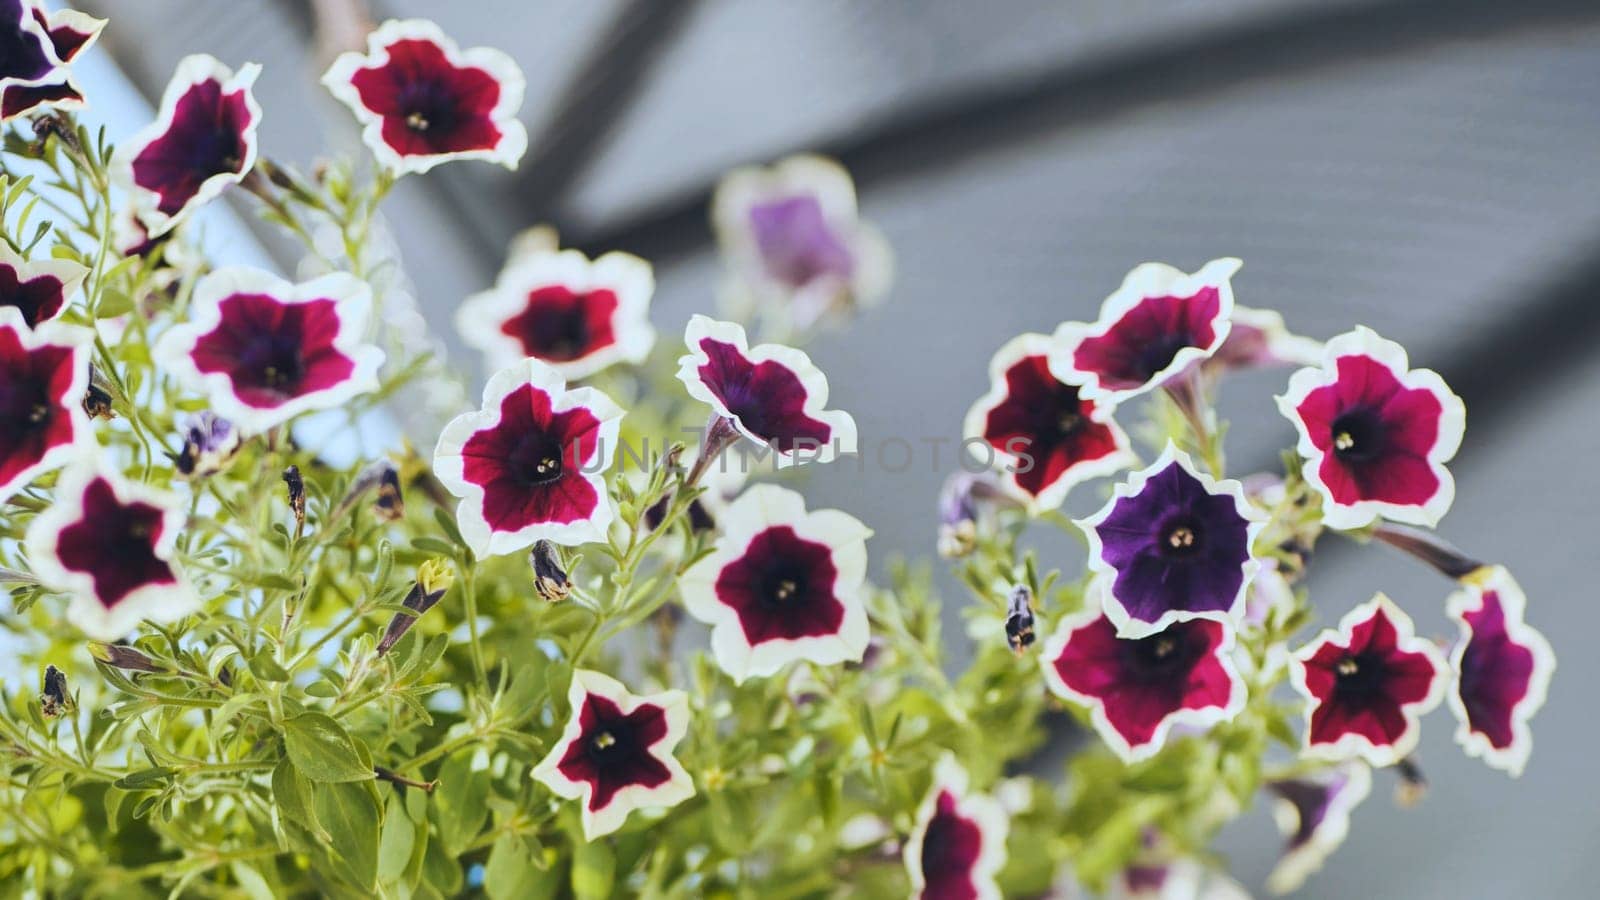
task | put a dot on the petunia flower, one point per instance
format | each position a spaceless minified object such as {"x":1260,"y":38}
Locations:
{"x":264,"y":350}
{"x":770,"y":393}
{"x":615,"y":754}
{"x":1502,"y":670}
{"x":1042,"y":434}
{"x":39,"y":289}
{"x":1257,"y":338}
{"x":109,"y":543}
{"x":795,"y":241}
{"x":209,"y":443}
{"x":40,"y":47}
{"x":1313,"y":812}
{"x":958,"y":845}
{"x":1375,"y":434}
{"x":1175,"y":545}
{"x":45,"y":372}
{"x":530,"y":463}
{"x":1155,"y":327}
{"x":1366,"y":685}
{"x":782,"y":585}
{"x":1138,"y":689}
{"x":422,"y":100}
{"x":579,"y":316}
{"x":967,"y":502}
{"x":203,"y":140}
{"x":1183,"y":878}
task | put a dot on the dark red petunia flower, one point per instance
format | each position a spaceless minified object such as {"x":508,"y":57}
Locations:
{"x":44,"y":374}
{"x":771,"y":393}
{"x":1175,"y":544}
{"x":109,"y":543}
{"x":1151,"y":331}
{"x":1502,"y":670}
{"x":616,"y":752}
{"x":265,"y":350}
{"x":959,"y":843}
{"x":1314,"y":812}
{"x":203,"y":140}
{"x":423,"y":101}
{"x":783,"y":585}
{"x":577,"y":315}
{"x":1367,"y":684}
{"x":1040,"y":432}
{"x":37,"y":47}
{"x":530,"y":464}
{"x":1138,"y":689}
{"x":1375,"y":434}
{"x":39,"y":289}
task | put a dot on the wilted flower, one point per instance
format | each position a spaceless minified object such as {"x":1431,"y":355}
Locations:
{"x":1257,"y":338}
{"x":1138,"y":689}
{"x":1040,"y":431}
{"x":434,"y":578}
{"x":55,"y":700}
{"x":209,"y":443}
{"x":1175,"y":545}
{"x":1314,"y":812}
{"x":264,"y":350}
{"x":529,"y":465}
{"x":1375,"y":434}
{"x":771,"y":394}
{"x":1367,"y":684}
{"x":42,"y":421}
{"x":615,"y":754}
{"x":40,"y":46}
{"x":959,"y":843}
{"x":296,"y":487}
{"x":1502,"y":670}
{"x":577,"y":315}
{"x":1019,"y":619}
{"x":382,"y":476}
{"x":783,"y":585}
{"x":549,"y":578}
{"x":39,"y":289}
{"x":109,"y":544}
{"x":422,"y":100}
{"x":1150,"y":332}
{"x":203,"y":140}
{"x":97,"y":399}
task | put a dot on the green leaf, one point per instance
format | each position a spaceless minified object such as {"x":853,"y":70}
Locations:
{"x":399,"y":836}
{"x":594,"y":870}
{"x":292,"y":792}
{"x":144,"y":777}
{"x":350,"y":817}
{"x":264,"y":667}
{"x":510,"y":872}
{"x":460,"y":801}
{"x":322,"y":750}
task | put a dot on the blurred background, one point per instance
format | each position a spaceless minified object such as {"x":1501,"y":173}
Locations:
{"x":1430,"y":169}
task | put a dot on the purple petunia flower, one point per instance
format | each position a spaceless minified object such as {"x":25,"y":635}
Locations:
{"x":45,"y":374}
{"x":1314,"y":813}
{"x":959,"y":843}
{"x":423,"y":101}
{"x":1175,"y":544}
{"x":615,"y":754}
{"x":209,"y":442}
{"x":1502,"y":670}
{"x":40,"y":45}
{"x":39,"y":289}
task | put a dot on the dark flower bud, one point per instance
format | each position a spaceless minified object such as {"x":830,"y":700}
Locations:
{"x":549,"y":578}
{"x":1413,"y":784}
{"x":124,"y":657}
{"x":209,"y":441}
{"x":434,"y":578}
{"x":297,"y":497}
{"x":385,"y":477}
{"x":55,"y":700}
{"x":1019,"y":619}
{"x":1428,"y":547}
{"x":97,"y":399}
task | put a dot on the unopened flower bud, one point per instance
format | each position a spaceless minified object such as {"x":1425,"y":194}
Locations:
{"x":1019,"y":619}
{"x":549,"y":578}
{"x":55,"y":699}
{"x":209,"y":442}
{"x":297,"y":497}
{"x":383,"y":476}
{"x":434,"y":578}
{"x":124,"y":657}
{"x":1413,"y":785}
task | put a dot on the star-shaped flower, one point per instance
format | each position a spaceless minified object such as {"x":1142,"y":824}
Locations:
{"x":1039,"y":431}
{"x":959,"y":843}
{"x":563,"y":309}
{"x":39,"y":289}
{"x":264,"y":350}
{"x":422,"y":100}
{"x":109,"y":543}
{"x":782,"y":585}
{"x":1375,"y":433}
{"x":1175,"y":544}
{"x":203,"y":140}
{"x":794,"y":239}
{"x":1314,"y":813}
{"x":771,"y":393}
{"x":1366,"y":685}
{"x":1150,"y":332}
{"x":1502,"y":670}
{"x":45,"y":373}
{"x":615,"y":754}
{"x":1138,"y":689}
{"x":35,"y":70}
{"x":530,"y":464}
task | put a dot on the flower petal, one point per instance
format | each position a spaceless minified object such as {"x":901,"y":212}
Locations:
{"x":1502,"y":669}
